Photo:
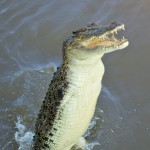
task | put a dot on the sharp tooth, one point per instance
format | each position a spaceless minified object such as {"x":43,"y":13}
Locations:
{"x":123,"y":38}
{"x":113,"y":36}
{"x":116,"y":31}
{"x":123,"y":28}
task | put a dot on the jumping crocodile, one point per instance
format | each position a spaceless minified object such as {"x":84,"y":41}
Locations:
{"x":70,"y":102}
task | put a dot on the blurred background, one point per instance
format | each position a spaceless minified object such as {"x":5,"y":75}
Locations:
{"x":31,"y":37}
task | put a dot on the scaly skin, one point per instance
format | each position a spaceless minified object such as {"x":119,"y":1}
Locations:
{"x":70,"y":102}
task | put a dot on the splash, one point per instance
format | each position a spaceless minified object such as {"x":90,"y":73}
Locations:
{"x":91,"y":145}
{"x":22,"y":136}
{"x":92,"y":124}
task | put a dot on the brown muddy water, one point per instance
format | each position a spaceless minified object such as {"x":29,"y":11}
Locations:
{"x":31,"y":36}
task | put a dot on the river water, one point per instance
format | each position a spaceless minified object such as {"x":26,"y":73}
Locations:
{"x":31,"y":36}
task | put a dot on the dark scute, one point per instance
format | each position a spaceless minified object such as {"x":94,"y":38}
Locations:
{"x":44,"y":116}
{"x":60,"y":94}
{"x":79,"y":31}
{"x":55,"y":129}
{"x":50,"y":122}
{"x":65,"y":85}
{"x":57,"y":103}
{"x":34,"y":138}
{"x":45,"y":138}
{"x":52,"y":81}
{"x":39,"y":134}
{"x":51,"y":134}
{"x":43,"y":146}
{"x":51,"y":141}
{"x":92,"y":25}
{"x":46,"y":145}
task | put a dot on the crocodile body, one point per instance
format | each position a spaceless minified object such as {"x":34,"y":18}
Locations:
{"x":70,"y":102}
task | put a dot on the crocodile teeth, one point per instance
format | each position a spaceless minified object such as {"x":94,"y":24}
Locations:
{"x":116,"y":31}
{"x":123,"y":38}
{"x":123,"y":28}
{"x":113,"y":36}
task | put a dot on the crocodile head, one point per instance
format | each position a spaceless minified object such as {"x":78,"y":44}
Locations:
{"x":96,"y":40}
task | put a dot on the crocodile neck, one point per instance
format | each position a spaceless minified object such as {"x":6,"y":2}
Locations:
{"x":82,"y":71}
{"x":81,"y":75}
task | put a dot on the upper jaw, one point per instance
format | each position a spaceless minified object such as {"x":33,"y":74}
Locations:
{"x":113,"y":28}
{"x":106,"y":38}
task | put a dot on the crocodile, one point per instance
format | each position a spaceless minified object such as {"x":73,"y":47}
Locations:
{"x":70,"y":101}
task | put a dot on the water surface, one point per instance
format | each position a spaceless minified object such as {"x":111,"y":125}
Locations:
{"x":31,"y":36}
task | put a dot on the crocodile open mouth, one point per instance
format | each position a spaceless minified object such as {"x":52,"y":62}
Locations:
{"x":107,"y":39}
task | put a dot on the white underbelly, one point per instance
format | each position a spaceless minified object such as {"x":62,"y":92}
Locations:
{"x":76,"y":115}
{"x":78,"y":106}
